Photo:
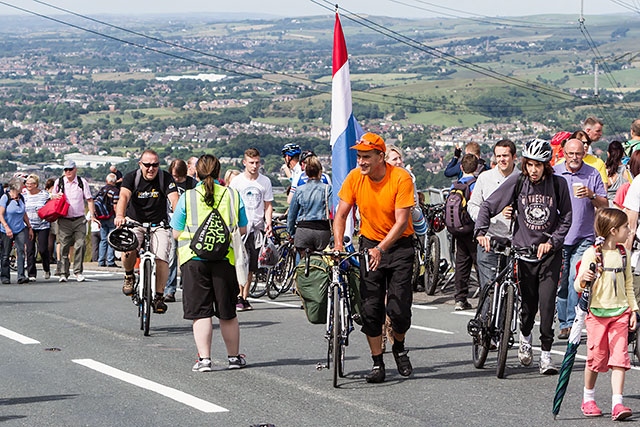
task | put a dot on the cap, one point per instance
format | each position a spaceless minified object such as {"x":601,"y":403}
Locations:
{"x":370,"y":141}
{"x":69,"y":164}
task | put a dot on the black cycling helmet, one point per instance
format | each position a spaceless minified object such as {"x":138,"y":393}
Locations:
{"x":306,"y":154}
{"x":538,"y":149}
{"x":291,"y":149}
{"x":123,"y":240}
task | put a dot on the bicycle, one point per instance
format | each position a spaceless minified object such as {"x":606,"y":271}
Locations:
{"x":430,"y":248}
{"x":496,"y":318}
{"x":340,"y":320}
{"x":145,"y":293}
{"x":280,"y":277}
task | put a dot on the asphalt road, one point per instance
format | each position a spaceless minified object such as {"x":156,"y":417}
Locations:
{"x":73,"y":355}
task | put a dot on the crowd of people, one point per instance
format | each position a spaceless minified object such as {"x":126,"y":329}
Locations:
{"x":563,"y":203}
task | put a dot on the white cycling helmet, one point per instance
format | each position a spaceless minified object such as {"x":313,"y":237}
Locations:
{"x":538,"y":149}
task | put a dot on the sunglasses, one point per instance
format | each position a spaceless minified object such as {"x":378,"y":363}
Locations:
{"x":150,"y":165}
{"x":68,"y":169}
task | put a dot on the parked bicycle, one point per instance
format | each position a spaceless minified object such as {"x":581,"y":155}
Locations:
{"x":496,"y":321}
{"x":430,"y":247}
{"x":339,"y":310}
{"x":144,"y":291}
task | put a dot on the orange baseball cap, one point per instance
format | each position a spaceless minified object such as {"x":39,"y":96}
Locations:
{"x":370,"y":141}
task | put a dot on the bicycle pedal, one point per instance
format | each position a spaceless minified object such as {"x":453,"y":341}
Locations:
{"x":356,"y":318}
{"x":321,"y":366}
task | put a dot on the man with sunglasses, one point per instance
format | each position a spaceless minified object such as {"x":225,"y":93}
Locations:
{"x":143,"y":198}
{"x":72,"y":227}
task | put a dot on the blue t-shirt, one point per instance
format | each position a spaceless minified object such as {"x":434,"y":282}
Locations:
{"x":13,"y":214}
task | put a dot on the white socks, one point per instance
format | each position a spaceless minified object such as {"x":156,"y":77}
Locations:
{"x":588,"y":395}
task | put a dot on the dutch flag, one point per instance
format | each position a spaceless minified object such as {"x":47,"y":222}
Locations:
{"x":345,"y":130}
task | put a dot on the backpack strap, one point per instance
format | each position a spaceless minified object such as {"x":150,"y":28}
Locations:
{"x":136,"y":181}
{"x":514,"y":201}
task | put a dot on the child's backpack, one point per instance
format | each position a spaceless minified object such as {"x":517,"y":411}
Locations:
{"x":103,"y":205}
{"x":456,"y":216}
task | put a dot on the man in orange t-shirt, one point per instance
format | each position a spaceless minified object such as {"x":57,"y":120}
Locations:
{"x":384,"y":196}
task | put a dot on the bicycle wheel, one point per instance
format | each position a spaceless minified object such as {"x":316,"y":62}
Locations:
{"x":415,"y":275}
{"x":289,"y":266}
{"x":482,"y":340}
{"x":506,"y":317}
{"x":337,"y":337}
{"x":278,"y":271}
{"x":432,"y":264}
{"x":259,"y":283}
{"x":147,"y":295}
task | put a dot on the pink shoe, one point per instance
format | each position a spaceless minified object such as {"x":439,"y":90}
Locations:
{"x":590,"y":409}
{"x":620,"y":412}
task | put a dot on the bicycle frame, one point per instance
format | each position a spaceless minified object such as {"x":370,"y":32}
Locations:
{"x":145,"y":255}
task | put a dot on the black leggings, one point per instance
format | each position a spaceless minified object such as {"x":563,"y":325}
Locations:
{"x":41,"y":237}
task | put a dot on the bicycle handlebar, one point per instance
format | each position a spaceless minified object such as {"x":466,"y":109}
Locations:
{"x":502,"y":246}
{"x":130,"y":223}
{"x":337,"y":257}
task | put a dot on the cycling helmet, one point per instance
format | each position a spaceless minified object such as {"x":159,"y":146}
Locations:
{"x":291,"y":150}
{"x":306,"y":154}
{"x":123,"y":240}
{"x":538,"y":149}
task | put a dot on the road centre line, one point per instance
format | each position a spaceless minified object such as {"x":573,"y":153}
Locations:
{"x":171,"y":393}
{"x":17,"y":337}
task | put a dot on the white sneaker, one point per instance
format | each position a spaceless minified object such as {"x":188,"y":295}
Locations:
{"x":203,"y":365}
{"x":546,"y":365}
{"x":62,"y":279}
{"x":32,"y":279}
{"x":525,"y":353}
{"x":79,"y":278}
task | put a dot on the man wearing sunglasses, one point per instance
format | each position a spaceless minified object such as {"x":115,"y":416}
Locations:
{"x":143,"y":198}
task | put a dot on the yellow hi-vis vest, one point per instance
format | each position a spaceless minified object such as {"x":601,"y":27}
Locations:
{"x":196,"y":211}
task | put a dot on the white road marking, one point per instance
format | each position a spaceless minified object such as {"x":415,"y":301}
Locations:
{"x":172,"y":393}
{"x":424,"y":307}
{"x":17,"y":337}
{"x":284,"y":304}
{"x":439,"y":331}
{"x":470,"y":313}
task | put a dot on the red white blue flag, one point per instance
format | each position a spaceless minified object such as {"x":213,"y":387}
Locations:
{"x":345,"y":130}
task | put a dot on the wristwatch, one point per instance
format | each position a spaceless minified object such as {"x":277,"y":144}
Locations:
{"x":593,"y":196}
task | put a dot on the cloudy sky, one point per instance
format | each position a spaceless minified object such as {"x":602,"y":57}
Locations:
{"x":401,"y":8}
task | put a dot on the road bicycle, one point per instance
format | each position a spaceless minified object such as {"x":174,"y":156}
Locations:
{"x":496,"y":321}
{"x":339,"y":308}
{"x":144,"y":291}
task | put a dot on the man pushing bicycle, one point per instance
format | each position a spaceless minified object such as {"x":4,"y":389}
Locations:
{"x":384,"y":196}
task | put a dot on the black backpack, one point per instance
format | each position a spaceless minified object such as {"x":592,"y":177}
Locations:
{"x":456,"y":216}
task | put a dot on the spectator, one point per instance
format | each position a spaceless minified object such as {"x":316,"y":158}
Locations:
{"x":72,"y":227}
{"x":587,"y":195}
{"x":34,"y":199}
{"x":229,"y":175}
{"x":593,"y":127}
{"x":302,"y":178}
{"x":210,"y":287}
{"x":453,"y":168}
{"x":111,"y":191}
{"x":53,"y":247}
{"x":15,"y":229}
{"x":617,"y":172}
{"x":191,"y":167}
{"x":257,"y":194}
{"x":590,"y":159}
{"x":114,"y":170}
{"x":634,"y":170}
{"x":633,"y":144}
{"x":178,"y":169}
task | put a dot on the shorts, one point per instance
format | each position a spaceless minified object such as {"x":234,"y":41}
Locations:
{"x":607,"y":344}
{"x":209,"y":288}
{"x":252,"y":251}
{"x":161,"y":241}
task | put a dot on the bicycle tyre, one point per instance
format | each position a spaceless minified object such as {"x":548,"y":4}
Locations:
{"x":278,"y":271}
{"x":259,"y":283}
{"x":482,"y":343}
{"x":289,"y":266}
{"x":337,"y":336}
{"x":432,"y":265}
{"x":147,"y":296}
{"x":506,"y":317}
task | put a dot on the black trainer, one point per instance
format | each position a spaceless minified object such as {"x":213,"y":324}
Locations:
{"x":376,"y":375}
{"x":402,"y":362}
{"x":158,"y":305}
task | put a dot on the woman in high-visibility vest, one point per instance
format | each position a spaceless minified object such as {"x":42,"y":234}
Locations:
{"x":210,"y":288}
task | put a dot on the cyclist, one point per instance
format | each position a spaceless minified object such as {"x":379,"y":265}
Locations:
{"x":143,"y":198}
{"x":302,"y":178}
{"x":387,"y":235}
{"x":543,"y":217}
{"x":291,"y":155}
{"x":210,"y":287}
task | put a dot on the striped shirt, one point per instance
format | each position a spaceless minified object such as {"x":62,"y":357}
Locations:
{"x":34,"y":202}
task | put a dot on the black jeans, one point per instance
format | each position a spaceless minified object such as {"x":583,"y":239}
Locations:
{"x":538,"y":286}
{"x":41,"y":238}
{"x":392,"y":280}
{"x":466,"y":256}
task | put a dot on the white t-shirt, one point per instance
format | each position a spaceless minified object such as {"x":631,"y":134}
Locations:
{"x":254,"y":193}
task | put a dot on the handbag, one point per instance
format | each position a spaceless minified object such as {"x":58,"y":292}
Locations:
{"x":237,"y":243}
{"x":54,"y":209}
